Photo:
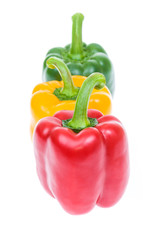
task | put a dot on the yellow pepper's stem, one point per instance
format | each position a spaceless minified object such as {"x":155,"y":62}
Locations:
{"x":69,"y":91}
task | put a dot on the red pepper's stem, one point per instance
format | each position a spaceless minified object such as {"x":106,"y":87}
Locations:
{"x":77,"y":44}
{"x":80,"y":119}
{"x":69,"y":90}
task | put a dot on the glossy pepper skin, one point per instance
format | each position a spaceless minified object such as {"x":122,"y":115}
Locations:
{"x":80,"y":58}
{"x":45,"y":103}
{"x":85,"y":168}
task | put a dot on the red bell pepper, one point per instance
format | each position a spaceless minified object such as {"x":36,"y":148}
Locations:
{"x":82,"y":160}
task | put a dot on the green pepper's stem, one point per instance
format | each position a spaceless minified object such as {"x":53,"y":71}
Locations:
{"x":69,"y":90}
{"x":80,"y":119}
{"x":77,"y":44}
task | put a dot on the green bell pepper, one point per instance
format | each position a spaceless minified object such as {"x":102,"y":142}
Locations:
{"x":80,"y":58}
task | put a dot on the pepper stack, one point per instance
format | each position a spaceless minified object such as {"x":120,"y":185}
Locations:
{"x":81,"y":150}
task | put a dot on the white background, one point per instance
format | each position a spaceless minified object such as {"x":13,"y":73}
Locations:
{"x":129,"y":31}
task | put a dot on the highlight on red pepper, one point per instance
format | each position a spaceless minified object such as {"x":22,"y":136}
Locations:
{"x":82,"y":157}
{"x":81,"y":59}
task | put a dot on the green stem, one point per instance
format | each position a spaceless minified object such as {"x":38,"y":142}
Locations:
{"x":77,"y":44}
{"x":69,"y":90}
{"x":80,"y":119}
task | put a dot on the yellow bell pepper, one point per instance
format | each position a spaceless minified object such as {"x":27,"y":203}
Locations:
{"x":45,"y":101}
